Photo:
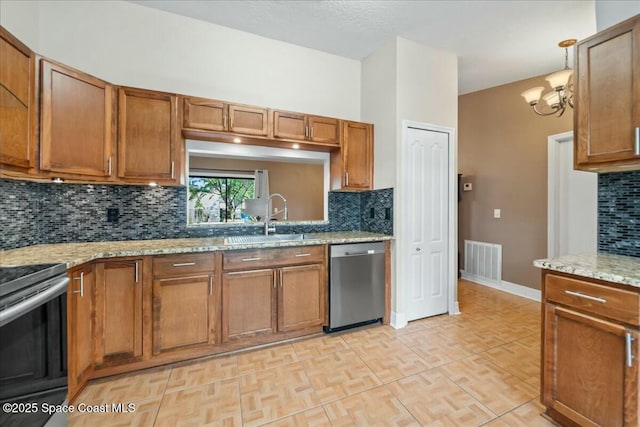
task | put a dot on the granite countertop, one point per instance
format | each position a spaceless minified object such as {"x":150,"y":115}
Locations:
{"x":78,"y":253}
{"x":612,"y":268}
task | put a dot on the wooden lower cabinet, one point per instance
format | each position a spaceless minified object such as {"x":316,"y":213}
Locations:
{"x":248,"y":304}
{"x":301,"y":297}
{"x":80,"y":331}
{"x":118,"y":320}
{"x":183,"y":313}
{"x":259,"y":302}
{"x":590,"y":373}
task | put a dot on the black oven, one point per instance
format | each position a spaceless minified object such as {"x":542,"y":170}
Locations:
{"x":33,"y":342}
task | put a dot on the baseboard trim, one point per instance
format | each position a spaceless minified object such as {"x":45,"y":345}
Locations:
{"x":503,"y":285}
{"x":398,"y":320}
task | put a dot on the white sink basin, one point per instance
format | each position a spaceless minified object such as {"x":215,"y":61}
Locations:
{"x":231,"y":240}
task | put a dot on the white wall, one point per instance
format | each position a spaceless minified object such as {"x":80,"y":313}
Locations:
{"x":133,"y":45}
{"x":610,"y":12}
{"x":21,"y":19}
{"x":379,"y":83}
{"x":405,"y":80}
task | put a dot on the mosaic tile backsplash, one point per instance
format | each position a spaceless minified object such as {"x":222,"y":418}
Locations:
{"x":619,"y":213}
{"x":36,"y":213}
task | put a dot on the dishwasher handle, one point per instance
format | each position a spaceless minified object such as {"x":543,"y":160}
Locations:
{"x":357,"y":249}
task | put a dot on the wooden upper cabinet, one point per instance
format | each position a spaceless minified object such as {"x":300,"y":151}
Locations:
{"x":17,"y":103}
{"x":149,"y":138}
{"x":205,"y":114}
{"x":357,"y":155}
{"x":248,"y":120}
{"x":77,"y":120}
{"x":325,"y":130}
{"x":302,"y":127}
{"x":607,"y":98}
{"x":288,"y":125}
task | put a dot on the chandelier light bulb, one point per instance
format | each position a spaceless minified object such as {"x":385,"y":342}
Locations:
{"x":552,"y":99}
{"x":559,"y":79}
{"x":532,"y":95}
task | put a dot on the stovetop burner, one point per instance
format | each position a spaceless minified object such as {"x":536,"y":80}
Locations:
{"x":13,"y":279}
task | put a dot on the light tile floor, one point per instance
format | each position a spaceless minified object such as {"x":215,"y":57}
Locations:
{"x":479,"y":368}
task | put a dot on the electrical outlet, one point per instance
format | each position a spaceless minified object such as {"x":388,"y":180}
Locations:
{"x":113,"y":214}
{"x":387,"y":213}
{"x":372,"y":213}
{"x":467,"y":186}
{"x":497,"y":213}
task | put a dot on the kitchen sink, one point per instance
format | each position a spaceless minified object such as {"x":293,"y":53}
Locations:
{"x":231,"y":240}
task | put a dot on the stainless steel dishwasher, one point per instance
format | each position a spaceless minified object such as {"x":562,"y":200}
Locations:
{"x":356,"y":285}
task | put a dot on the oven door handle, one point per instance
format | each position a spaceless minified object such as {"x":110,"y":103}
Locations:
{"x":33,"y":302}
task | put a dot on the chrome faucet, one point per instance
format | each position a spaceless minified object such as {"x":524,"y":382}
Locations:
{"x":268,"y":229}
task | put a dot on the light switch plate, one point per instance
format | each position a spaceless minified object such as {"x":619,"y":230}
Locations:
{"x":497,"y":213}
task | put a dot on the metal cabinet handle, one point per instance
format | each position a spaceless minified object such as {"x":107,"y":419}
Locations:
{"x":274,"y":279}
{"x":637,"y":141}
{"x":250,"y":259}
{"x":173,"y":168}
{"x":224,"y":122}
{"x":281,"y":278}
{"x":629,"y":349}
{"x":306,"y":131}
{"x":137,"y":273}
{"x":110,"y":158}
{"x":81,"y":278}
{"x":346,"y":179}
{"x":210,"y":285}
{"x":183,"y":264}
{"x":301,"y":255}
{"x":311,"y":132}
{"x":231,"y":121}
{"x":589,"y":297}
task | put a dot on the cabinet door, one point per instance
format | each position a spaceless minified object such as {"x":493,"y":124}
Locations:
{"x":183,"y":314}
{"x":205,"y":114}
{"x":118,"y":301}
{"x":324,"y":129}
{"x":80,"y":327}
{"x":290,"y":125}
{"x":76,"y":122}
{"x":248,"y":120}
{"x":301,"y":297}
{"x":148,"y":143}
{"x":590,"y":371}
{"x":357,"y":155}
{"x":248,"y":304}
{"x":17,"y":103}
{"x":607,"y":110}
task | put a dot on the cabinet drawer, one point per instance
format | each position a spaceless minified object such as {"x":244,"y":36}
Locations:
{"x":602,"y":300}
{"x":178,"y":265}
{"x":266,"y":258}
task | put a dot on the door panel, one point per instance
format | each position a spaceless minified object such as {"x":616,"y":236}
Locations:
{"x":427,"y":216}
{"x":301,"y":297}
{"x":248,"y":304}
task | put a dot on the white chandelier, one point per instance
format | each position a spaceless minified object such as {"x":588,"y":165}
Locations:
{"x":556,"y":100}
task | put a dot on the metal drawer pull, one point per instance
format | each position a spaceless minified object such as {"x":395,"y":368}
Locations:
{"x":629,"y":350}
{"x":173,"y":169}
{"x":137,"y":273}
{"x":274,"y":279}
{"x":81,"y":291}
{"x":184,"y":264}
{"x":210,"y":285}
{"x":589,"y":297}
{"x":250,"y":259}
{"x":300,"y":255}
{"x":281,"y":278}
{"x":638,"y":141}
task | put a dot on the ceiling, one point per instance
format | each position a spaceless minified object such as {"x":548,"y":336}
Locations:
{"x":496,"y":42}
